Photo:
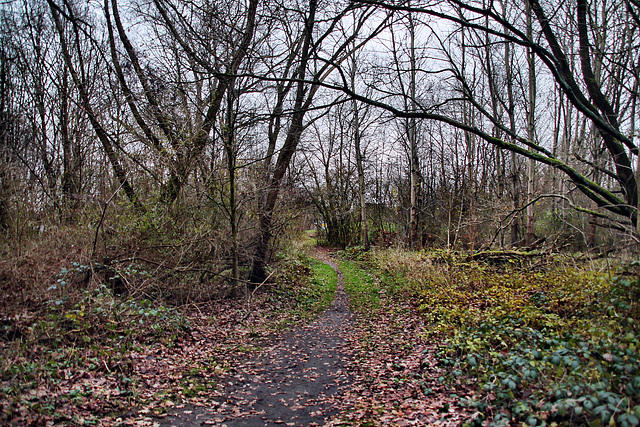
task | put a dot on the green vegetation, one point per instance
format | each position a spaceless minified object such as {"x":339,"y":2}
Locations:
{"x":91,"y":354}
{"x":91,"y":339}
{"x":309,"y":238}
{"x":307,"y":283}
{"x":325,"y":280}
{"x":520,"y":338}
{"x":538,"y":341}
{"x":363,"y":290}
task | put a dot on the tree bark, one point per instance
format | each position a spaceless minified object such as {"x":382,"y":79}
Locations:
{"x":414,"y":160}
{"x":258,"y":271}
{"x":531,"y":132}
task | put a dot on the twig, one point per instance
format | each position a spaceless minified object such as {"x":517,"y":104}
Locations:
{"x":104,"y":212}
{"x":251,"y":295}
{"x":516,"y":211}
{"x":182,"y":269}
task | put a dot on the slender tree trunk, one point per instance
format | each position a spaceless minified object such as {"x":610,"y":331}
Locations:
{"x":232,"y":209}
{"x":6,"y":133}
{"x":531,"y":133}
{"x":413,"y":146}
{"x":592,"y":229}
{"x":515,"y":177}
{"x":634,"y":103}
{"x":71,"y":152}
{"x":102,"y":135}
{"x":360,"y":167}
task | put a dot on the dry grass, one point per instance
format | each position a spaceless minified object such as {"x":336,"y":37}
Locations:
{"x":27,"y":272}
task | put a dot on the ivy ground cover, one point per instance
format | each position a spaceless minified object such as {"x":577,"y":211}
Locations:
{"x":536,"y":340}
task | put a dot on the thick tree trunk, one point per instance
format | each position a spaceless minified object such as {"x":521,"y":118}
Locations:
{"x":258,"y":271}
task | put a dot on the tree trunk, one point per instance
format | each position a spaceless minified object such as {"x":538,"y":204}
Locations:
{"x":359,"y":163}
{"x":102,"y":135}
{"x":231,"y":153}
{"x":413,"y":149}
{"x":258,"y":271}
{"x":361,"y":182}
{"x":531,"y":133}
{"x":515,"y":177}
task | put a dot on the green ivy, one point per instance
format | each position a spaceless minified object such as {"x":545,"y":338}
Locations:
{"x":540,"y":346}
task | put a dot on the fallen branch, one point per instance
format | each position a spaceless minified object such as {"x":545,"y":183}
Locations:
{"x":184,"y":269}
{"x":511,"y":216}
{"x":502,"y":255}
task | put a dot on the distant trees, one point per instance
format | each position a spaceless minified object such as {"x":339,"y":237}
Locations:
{"x":606,"y":101}
{"x":454,"y":123}
{"x":323,"y":49}
{"x":74,"y":47}
{"x":45,"y":137}
{"x":333,"y":182}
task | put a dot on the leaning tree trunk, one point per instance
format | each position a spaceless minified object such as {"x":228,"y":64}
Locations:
{"x":101,"y":133}
{"x":258,"y":271}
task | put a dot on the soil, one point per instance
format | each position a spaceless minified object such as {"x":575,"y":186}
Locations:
{"x":295,"y":383}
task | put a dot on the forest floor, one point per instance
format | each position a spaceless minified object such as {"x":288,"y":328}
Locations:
{"x":294,"y":382}
{"x":380,"y":338}
{"x":264,"y":360}
{"x":342,"y":369}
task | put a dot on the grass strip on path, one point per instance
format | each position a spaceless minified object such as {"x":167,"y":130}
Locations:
{"x":361,"y":287}
{"x":396,"y":378}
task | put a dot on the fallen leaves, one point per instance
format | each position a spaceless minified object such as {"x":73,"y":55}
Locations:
{"x":43,"y":381}
{"x":397,"y":378}
{"x":395,"y":372}
{"x":380,"y":370}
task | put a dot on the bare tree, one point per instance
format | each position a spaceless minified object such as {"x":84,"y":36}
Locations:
{"x":77,"y":70}
{"x":258,"y":273}
{"x":306,"y":85}
{"x":359,"y":154}
{"x":329,"y":157}
{"x":181,"y":144}
{"x":582,"y":90}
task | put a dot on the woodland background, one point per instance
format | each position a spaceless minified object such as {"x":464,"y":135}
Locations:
{"x":201,"y":134}
{"x":164,"y":157}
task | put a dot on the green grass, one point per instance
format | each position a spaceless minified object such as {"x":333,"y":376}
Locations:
{"x":325,"y":280}
{"x":309,"y":283}
{"x":362,"y":289}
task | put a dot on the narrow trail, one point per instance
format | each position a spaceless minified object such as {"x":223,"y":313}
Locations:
{"x":293,"y":383}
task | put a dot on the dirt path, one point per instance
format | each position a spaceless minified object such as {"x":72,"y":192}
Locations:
{"x":293,"y":383}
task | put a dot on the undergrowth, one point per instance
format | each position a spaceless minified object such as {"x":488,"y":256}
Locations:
{"x":91,"y":338}
{"x":535,"y":341}
{"x":83,"y":356}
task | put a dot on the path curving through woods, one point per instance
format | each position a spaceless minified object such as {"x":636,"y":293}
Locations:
{"x":294,"y":383}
